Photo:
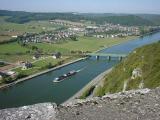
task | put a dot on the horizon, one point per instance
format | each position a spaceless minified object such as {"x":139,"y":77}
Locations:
{"x":83,"y":6}
{"x":82,"y":12}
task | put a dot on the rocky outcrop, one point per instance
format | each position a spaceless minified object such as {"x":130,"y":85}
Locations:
{"x":43,"y":111}
{"x":130,"y":105}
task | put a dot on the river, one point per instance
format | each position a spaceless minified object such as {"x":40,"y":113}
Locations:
{"x":42,"y":89}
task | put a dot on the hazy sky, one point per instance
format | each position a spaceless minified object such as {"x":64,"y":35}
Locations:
{"x":94,"y":6}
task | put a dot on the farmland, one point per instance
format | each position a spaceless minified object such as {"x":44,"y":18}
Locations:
{"x":8,"y":29}
{"x":40,"y":65}
{"x":13,"y":51}
{"x":83,"y":44}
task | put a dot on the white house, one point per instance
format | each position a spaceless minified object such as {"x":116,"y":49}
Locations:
{"x":12,"y":74}
{"x":14,"y":36}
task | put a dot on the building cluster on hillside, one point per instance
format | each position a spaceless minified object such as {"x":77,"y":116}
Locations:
{"x":66,"y":23}
{"x":99,"y":31}
{"x":111,"y":30}
{"x":76,"y":30}
{"x":73,"y":27}
{"x":102,"y":31}
{"x":52,"y":37}
{"x":107,"y":30}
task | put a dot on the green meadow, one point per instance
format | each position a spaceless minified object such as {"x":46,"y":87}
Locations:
{"x":13,"y":51}
{"x":8,"y":29}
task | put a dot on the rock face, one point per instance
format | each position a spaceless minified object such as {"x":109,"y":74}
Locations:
{"x":137,"y":72}
{"x":131,"y":105}
{"x":44,"y":111}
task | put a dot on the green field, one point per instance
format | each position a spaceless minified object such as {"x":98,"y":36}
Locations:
{"x":83,"y":44}
{"x":8,"y":29}
{"x":10,"y":52}
{"x":43,"y":64}
{"x":12,"y":48}
{"x":39,"y":66}
{"x":4,"y":38}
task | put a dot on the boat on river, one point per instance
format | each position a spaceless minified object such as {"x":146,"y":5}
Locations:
{"x":64,"y":76}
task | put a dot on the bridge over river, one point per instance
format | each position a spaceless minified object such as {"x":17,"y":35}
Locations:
{"x":108,"y":55}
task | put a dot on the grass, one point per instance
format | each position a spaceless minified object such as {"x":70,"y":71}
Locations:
{"x":12,"y":48}
{"x":39,"y":66}
{"x":16,"y":58}
{"x":9,"y":29}
{"x":150,"y":65}
{"x":4,"y":38}
{"x":83,"y":44}
{"x":87,"y":92}
{"x":33,"y":26}
{"x":42,"y":64}
{"x":10,"y":52}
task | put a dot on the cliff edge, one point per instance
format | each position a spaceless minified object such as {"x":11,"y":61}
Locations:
{"x":143,"y":104}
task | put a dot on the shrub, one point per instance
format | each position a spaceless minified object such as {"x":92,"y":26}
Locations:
{"x":8,"y":80}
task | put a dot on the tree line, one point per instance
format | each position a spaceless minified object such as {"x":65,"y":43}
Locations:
{"x":123,"y":19}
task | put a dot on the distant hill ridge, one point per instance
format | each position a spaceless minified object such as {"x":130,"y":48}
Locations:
{"x":124,"y":19}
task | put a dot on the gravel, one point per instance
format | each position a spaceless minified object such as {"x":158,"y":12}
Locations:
{"x":133,"y":105}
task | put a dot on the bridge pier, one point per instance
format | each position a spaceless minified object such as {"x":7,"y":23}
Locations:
{"x":97,"y":57}
{"x":108,"y":55}
{"x":120,"y":58}
{"x":109,"y":58}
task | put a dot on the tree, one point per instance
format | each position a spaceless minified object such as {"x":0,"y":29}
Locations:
{"x":74,"y":38}
{"x":49,"y":65}
{"x":34,"y":48}
{"x":7,"y":80}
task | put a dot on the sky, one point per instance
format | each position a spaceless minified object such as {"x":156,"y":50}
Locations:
{"x":83,"y":6}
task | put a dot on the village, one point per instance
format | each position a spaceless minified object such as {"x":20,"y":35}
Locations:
{"x":72,"y":29}
{"x":79,"y":29}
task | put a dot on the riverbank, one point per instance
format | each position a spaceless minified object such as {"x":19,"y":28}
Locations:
{"x":135,"y":37}
{"x":106,"y":47}
{"x":93,"y":82}
{"x":43,"y":72}
{"x":40,"y":73}
{"x":148,"y":33}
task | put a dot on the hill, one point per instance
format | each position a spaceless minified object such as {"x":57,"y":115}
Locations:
{"x":141,"y":69}
{"x":151,"y":17}
{"x":23,"y":17}
{"x":124,"y":19}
